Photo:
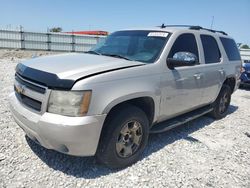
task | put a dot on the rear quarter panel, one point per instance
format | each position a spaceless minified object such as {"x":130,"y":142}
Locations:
{"x":232,"y":68}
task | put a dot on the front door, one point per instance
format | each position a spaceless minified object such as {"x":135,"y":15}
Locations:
{"x":180,"y":88}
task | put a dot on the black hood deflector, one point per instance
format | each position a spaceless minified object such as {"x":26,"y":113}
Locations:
{"x":51,"y":80}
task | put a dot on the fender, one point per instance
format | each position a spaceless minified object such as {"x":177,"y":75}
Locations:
{"x":135,"y":96}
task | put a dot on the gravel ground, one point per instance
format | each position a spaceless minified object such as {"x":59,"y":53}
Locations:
{"x":202,"y":153}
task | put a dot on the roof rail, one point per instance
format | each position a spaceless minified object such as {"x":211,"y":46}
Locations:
{"x":164,"y":26}
{"x":194,"y":27}
{"x":211,"y":30}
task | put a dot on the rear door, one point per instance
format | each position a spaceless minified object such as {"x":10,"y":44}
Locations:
{"x":213,"y":69}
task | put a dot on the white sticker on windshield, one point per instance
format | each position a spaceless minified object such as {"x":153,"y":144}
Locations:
{"x":157,"y":34}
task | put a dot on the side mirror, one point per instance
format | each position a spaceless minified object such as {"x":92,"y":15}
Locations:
{"x":182,"y":59}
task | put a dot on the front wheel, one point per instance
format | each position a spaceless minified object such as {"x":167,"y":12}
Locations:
{"x":124,"y":137}
{"x":221,"y":104}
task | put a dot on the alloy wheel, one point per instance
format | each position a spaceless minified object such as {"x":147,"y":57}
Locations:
{"x":129,"y":139}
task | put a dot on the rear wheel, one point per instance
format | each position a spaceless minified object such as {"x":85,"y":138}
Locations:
{"x":221,"y":104}
{"x":124,"y":137}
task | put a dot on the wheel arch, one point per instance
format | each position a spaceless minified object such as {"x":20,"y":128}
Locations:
{"x":146,"y":103}
{"x":231,"y":82}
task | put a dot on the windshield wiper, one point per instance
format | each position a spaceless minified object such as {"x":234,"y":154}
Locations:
{"x":118,"y":56}
{"x":93,"y":52}
{"x":111,"y":55}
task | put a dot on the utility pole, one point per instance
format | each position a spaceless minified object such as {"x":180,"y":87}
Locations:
{"x":212,"y":23}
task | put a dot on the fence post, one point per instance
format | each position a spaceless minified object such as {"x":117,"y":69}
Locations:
{"x":22,"y":40}
{"x":48,"y":41}
{"x":73,"y":43}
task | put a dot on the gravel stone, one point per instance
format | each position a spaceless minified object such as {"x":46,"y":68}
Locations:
{"x":201,"y":153}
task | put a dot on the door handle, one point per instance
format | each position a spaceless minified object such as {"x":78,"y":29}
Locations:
{"x":197,"y":76}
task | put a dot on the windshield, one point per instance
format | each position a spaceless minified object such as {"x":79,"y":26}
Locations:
{"x":144,"y":46}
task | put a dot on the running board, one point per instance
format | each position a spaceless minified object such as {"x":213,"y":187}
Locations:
{"x":179,"y":120}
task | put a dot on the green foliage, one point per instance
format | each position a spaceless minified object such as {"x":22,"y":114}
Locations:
{"x":56,"y":29}
{"x":245,"y":46}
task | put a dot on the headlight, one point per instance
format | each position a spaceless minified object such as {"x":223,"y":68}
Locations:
{"x":69,"y":103}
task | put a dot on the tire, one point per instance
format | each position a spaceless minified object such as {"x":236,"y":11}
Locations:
{"x":222,"y":102}
{"x":124,"y":137}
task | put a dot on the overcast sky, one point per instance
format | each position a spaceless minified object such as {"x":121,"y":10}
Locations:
{"x":231,"y":16}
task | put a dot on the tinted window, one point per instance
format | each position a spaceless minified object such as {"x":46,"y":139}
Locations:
{"x":184,"y":43}
{"x":211,"y":50}
{"x":230,"y":48}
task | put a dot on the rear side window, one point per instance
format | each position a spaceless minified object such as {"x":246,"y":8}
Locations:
{"x":230,"y":48}
{"x":211,"y":50}
{"x":184,"y":43}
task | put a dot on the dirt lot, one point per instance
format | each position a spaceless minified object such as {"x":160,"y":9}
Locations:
{"x":202,"y":153}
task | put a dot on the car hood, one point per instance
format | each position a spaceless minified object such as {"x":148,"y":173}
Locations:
{"x":62,"y":71}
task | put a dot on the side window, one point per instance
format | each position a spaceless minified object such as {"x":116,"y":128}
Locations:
{"x":184,"y":43}
{"x":211,"y":50}
{"x":230,"y":48}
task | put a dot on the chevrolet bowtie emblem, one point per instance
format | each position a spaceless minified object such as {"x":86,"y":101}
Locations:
{"x":19,"y":89}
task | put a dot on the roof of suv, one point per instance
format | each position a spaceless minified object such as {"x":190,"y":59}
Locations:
{"x":183,"y":28}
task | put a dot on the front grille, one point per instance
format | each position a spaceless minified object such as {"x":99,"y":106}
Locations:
{"x":31,"y":94}
{"x":32,"y":103}
{"x":30,"y":85}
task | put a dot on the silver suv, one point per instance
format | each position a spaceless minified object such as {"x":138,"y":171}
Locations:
{"x":106,"y":101}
